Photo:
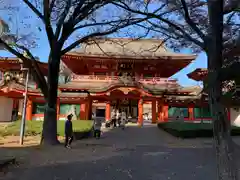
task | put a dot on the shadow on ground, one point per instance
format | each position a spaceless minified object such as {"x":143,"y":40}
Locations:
{"x":139,"y":153}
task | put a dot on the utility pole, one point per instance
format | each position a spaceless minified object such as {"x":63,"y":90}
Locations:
{"x":24,"y":106}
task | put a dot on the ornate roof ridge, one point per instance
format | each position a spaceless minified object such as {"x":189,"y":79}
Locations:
{"x":112,"y":55}
{"x":126,"y":47}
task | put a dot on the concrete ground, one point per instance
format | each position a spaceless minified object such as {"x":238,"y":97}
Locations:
{"x":141,"y":153}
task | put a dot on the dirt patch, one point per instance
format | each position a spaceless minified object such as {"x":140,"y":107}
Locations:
{"x":13,"y":141}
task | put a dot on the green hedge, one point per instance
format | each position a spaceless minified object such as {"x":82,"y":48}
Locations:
{"x":191,"y":129}
{"x":34,"y":128}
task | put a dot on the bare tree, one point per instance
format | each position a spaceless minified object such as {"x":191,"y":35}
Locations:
{"x":211,"y":26}
{"x":67,"y":24}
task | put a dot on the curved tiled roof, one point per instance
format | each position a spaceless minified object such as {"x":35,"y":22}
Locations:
{"x":198,"y":74}
{"x":13,"y":63}
{"x":114,"y":47}
{"x":100,"y":87}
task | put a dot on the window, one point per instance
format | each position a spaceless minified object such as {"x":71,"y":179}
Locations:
{"x":66,"y":109}
{"x":178,"y":111}
{"x":203,"y":112}
{"x":38,"y":108}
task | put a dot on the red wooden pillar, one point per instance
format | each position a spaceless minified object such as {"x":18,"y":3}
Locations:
{"x":58,"y":108}
{"x":86,"y":110}
{"x":160,"y":111}
{"x":229,"y":114}
{"x":108,"y":112}
{"x":140,"y":112}
{"x":89,"y":109}
{"x":83,"y":111}
{"x":165,"y":112}
{"x":154,"y":109}
{"x":29,"y":110}
{"x":191,"y":112}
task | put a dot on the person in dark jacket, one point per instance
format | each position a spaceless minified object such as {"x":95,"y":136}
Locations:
{"x":68,"y":131}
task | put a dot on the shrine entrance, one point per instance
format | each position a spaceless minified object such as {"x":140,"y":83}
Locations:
{"x":130,"y":100}
{"x":129,"y":106}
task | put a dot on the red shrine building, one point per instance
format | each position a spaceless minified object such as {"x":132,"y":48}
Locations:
{"x":133,"y":76}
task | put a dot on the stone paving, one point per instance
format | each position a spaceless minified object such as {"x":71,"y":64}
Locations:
{"x":141,"y":153}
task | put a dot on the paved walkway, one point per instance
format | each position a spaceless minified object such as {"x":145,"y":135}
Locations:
{"x":141,"y":153}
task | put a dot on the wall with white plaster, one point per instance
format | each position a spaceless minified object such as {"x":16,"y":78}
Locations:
{"x":6,"y":107}
{"x":235,"y":116}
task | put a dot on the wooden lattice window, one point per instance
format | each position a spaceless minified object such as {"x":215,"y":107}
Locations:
{"x":202,"y":112}
{"x":178,"y":111}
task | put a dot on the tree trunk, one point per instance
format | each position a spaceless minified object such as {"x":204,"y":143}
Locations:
{"x":49,"y":135}
{"x":226,"y":168}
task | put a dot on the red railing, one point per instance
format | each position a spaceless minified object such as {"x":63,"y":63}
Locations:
{"x":153,"y":80}
{"x":157,"y":80}
{"x":93,"y":78}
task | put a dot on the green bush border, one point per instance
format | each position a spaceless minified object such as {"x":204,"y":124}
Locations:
{"x":34,"y":128}
{"x":191,"y":129}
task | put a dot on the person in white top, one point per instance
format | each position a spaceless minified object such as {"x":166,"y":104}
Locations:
{"x":118,"y":117}
{"x":114,"y":117}
{"x":123,"y":119}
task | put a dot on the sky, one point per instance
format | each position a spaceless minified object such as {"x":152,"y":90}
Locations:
{"x":42,"y":52}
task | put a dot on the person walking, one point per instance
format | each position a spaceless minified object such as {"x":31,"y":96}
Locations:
{"x":118,"y":117}
{"x":68,"y":131}
{"x":114,"y":118}
{"x":97,"y":127}
{"x":123,"y":120}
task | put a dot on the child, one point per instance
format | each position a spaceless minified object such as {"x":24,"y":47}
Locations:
{"x":97,"y":127}
{"x":68,"y":131}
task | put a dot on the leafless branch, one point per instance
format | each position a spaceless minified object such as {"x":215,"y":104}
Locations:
{"x":60,"y":22}
{"x":35,"y":10}
{"x":36,"y":68}
{"x":97,"y":34}
{"x":233,"y":5}
{"x":182,"y":33}
{"x":27,"y":62}
{"x":103,"y":23}
{"x":124,"y":44}
{"x":190,"y":22}
{"x":171,"y":24}
{"x":52,"y":5}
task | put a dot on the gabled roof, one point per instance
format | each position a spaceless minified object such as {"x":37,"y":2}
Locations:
{"x":123,"y":47}
{"x":20,"y":88}
{"x":13,"y":63}
{"x":198,"y":74}
{"x":154,"y":89}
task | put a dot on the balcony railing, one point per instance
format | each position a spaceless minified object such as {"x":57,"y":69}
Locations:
{"x":152,"y":80}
